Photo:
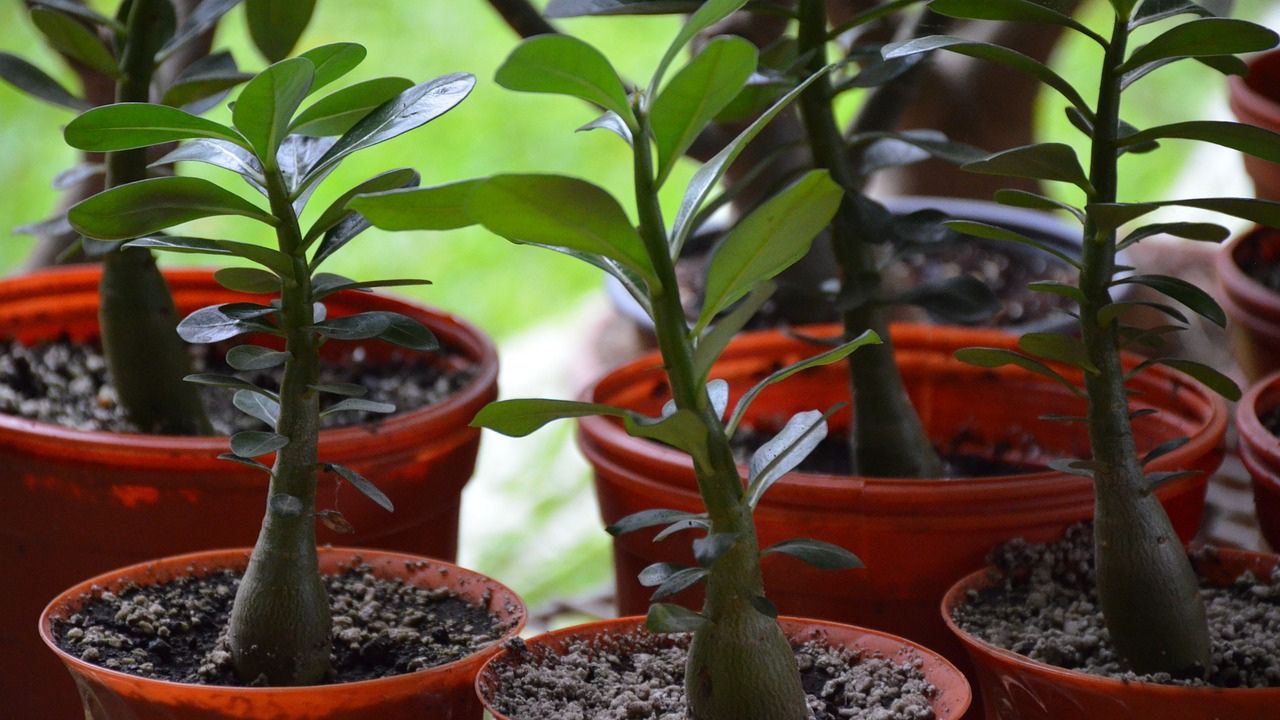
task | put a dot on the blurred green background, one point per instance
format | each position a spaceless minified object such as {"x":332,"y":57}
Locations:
{"x":529,"y":518}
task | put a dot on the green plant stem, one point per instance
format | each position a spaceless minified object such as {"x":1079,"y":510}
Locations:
{"x":1148,"y":590}
{"x":740,"y":663}
{"x":280,"y":624}
{"x":146,"y":358}
{"x":887,"y":437}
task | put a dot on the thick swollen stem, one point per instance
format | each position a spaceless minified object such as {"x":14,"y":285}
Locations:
{"x":887,"y":437}
{"x":280,"y":624}
{"x":1147,"y":588}
{"x":740,"y":663}
{"x":146,"y":358}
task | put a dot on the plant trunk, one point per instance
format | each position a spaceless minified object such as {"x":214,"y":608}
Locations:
{"x":1148,"y":590}
{"x":280,"y":624}
{"x":740,"y":663}
{"x":886,"y":436}
{"x":145,"y":357}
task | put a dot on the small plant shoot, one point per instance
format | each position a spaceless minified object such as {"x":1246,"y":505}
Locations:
{"x":284,"y":139}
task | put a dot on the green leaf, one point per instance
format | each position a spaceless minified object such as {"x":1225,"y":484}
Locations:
{"x":681,"y":429}
{"x":995,"y":232}
{"x":443,"y":207}
{"x":207,"y":77}
{"x":707,"y":550}
{"x":356,"y":404}
{"x":784,"y":452}
{"x":215,"y":323}
{"x":255,"y":443}
{"x":708,"y":14}
{"x":139,"y":208}
{"x":256,"y":405}
{"x":822,"y":555}
{"x":333,"y":61}
{"x":82,"y":12}
{"x":1042,"y":161}
{"x":201,"y":20}
{"x":266,"y":105}
{"x":769,"y":240}
{"x":999,"y":357}
{"x":248,"y":280}
{"x":1196,"y":300}
{"x":1204,"y":232}
{"x":274,"y":260}
{"x":1156,"y":10}
{"x":1111,"y":312}
{"x":559,"y":211}
{"x":1247,"y":139}
{"x":578,"y":8}
{"x":1203,"y":37}
{"x":343,"y":389}
{"x":666,"y":618}
{"x":565,"y":65}
{"x":1213,"y":379}
{"x":125,"y":126}
{"x":218,"y":153}
{"x":321,"y":289}
{"x":343,"y":209}
{"x":362,"y":484}
{"x":517,"y":418}
{"x":678,"y":582}
{"x":835,"y":354}
{"x":339,"y":111}
{"x":894,"y":149}
{"x":255,"y":357}
{"x":1070,"y":292}
{"x":710,"y":345}
{"x":1109,"y":216}
{"x":1016,"y":10}
{"x":232,"y":457}
{"x":71,"y":38}
{"x":1164,"y":448}
{"x":227,"y":381}
{"x":610,"y":121}
{"x":696,"y":94}
{"x":657,"y":573}
{"x":647,"y":519}
{"x":276,"y":25}
{"x":1059,"y":348}
{"x":388,"y":326}
{"x":993,"y":53}
{"x":35,"y":82}
{"x":1034,"y":201}
{"x":706,"y":177}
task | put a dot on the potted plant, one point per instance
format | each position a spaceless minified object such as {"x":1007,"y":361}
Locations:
{"x":1255,"y":100}
{"x":279,"y":628}
{"x":739,"y":662}
{"x":1140,"y":578}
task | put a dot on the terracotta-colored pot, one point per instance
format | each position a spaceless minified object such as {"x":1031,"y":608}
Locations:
{"x":445,"y":692}
{"x":1253,"y":308}
{"x":1014,"y":687}
{"x":1255,"y":100}
{"x":915,"y":536}
{"x":950,"y":703}
{"x":74,"y":504}
{"x":1260,"y":451}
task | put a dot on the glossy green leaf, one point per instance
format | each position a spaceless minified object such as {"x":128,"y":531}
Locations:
{"x":342,"y":389}
{"x":71,"y":38}
{"x":267,"y":104}
{"x":820,"y":554}
{"x":409,"y":333}
{"x":333,"y":61}
{"x":255,"y":443}
{"x":678,"y":582}
{"x":1203,"y":37}
{"x":995,"y":232}
{"x":443,"y":207}
{"x":707,"y":14}
{"x":125,"y":126}
{"x":706,"y":177}
{"x":784,"y":452}
{"x":696,"y":94}
{"x":710,"y":345}
{"x":681,"y":429}
{"x":1194,"y":298}
{"x":276,"y":25}
{"x":657,"y":573}
{"x":1111,"y":312}
{"x":389,"y":326}
{"x":1042,"y":161}
{"x":565,"y":65}
{"x":274,"y":260}
{"x":227,"y":381}
{"x":1035,"y":201}
{"x":214,"y":324}
{"x":835,"y":354}
{"x":769,"y":240}
{"x":1155,"y":10}
{"x":647,"y":519}
{"x":1112,"y":215}
{"x":1247,"y":139}
{"x":210,"y":76}
{"x":999,"y":357}
{"x":517,"y":418}
{"x":561,"y":211}
{"x":35,"y":82}
{"x":201,"y":20}
{"x":1213,"y":379}
{"x":343,"y":208}
{"x":707,"y":550}
{"x":1057,"y":347}
{"x":895,"y":149}
{"x":356,"y":404}
{"x":339,"y":111}
{"x":1050,"y":287}
{"x":139,"y":208}
{"x":578,"y":8}
{"x":248,"y":280}
{"x":666,"y":618}
{"x":1203,"y":232}
{"x":610,"y":121}
{"x":1164,"y":448}
{"x":232,"y":457}
{"x":321,"y":290}
{"x":218,"y":153}
{"x":83,"y":12}
{"x":1032,"y":11}
{"x":359,"y":482}
{"x":255,"y":357}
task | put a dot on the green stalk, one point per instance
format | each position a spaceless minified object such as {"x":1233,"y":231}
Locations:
{"x":887,"y":437}
{"x":1148,"y":590}
{"x":740,"y":663}
{"x":146,"y":358}
{"x":280,"y":624}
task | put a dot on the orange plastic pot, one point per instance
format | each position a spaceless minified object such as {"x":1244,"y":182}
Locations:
{"x":445,"y":692}
{"x":1014,"y":687}
{"x":1255,"y":100}
{"x":916,"y":537}
{"x":1260,"y":451}
{"x":74,"y":504}
{"x":950,"y":703}
{"x":1253,"y":308}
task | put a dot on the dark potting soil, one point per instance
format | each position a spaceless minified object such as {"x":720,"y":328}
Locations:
{"x":176,"y":631}
{"x":66,"y":383}
{"x":641,"y":677}
{"x":1259,"y":258}
{"x":1046,"y":608}
{"x":1271,"y":421}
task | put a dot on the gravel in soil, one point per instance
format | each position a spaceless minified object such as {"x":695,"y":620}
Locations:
{"x":66,"y":383}
{"x":1045,"y":607}
{"x":176,"y":630}
{"x":641,"y":677}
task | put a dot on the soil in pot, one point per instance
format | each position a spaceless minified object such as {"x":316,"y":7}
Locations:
{"x":1045,"y":607}
{"x":65,"y":382}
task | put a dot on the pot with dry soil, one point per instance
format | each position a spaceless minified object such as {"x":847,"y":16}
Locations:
{"x":410,"y":634}
{"x":1258,"y":422}
{"x":615,"y":670}
{"x":1249,"y":272}
{"x":1255,"y":100}
{"x":77,"y":502}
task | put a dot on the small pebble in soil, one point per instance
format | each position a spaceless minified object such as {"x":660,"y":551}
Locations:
{"x":1045,"y":606}
{"x":176,"y":630}
{"x":641,"y":677}
{"x":66,"y":383}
